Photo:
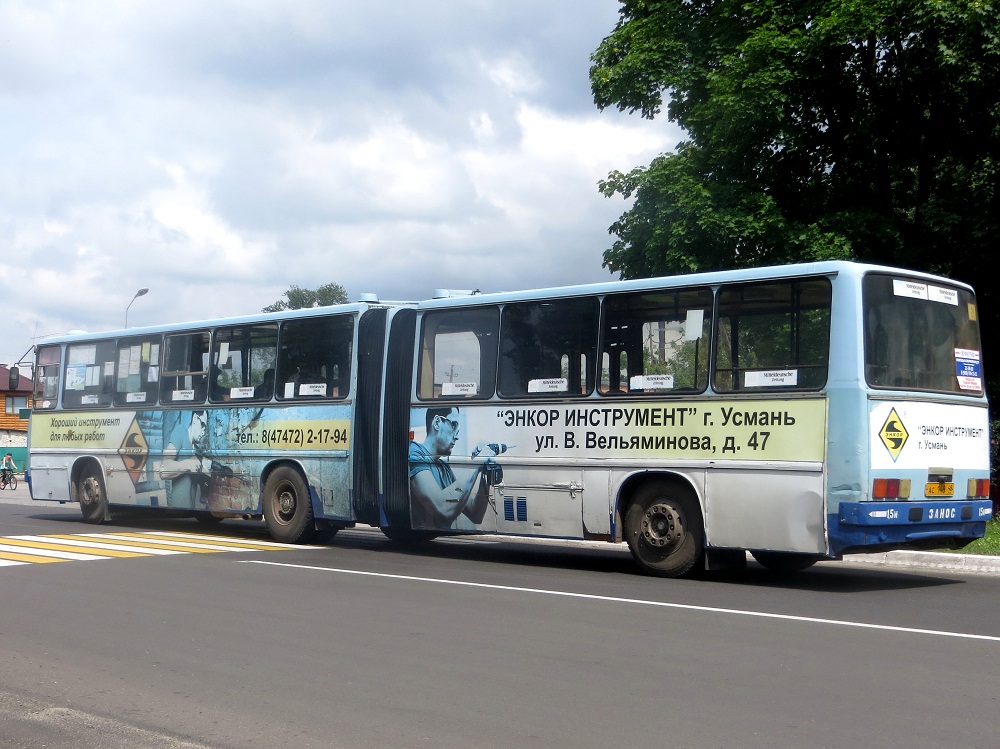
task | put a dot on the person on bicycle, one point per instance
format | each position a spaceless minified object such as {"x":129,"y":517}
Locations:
{"x":7,"y":466}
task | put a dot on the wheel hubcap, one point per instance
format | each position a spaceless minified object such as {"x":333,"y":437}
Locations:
{"x":662,"y":527}
{"x":286,"y":505}
{"x":90,"y":493}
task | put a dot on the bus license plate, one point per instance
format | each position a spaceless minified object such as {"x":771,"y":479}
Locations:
{"x":939,"y":490}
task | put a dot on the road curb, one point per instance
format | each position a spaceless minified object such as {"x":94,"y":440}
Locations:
{"x":978,"y":564}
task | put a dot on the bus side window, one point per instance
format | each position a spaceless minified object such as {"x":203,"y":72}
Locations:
{"x":184,"y":378}
{"x":549,"y":348}
{"x":243,"y":355}
{"x":458,"y":354}
{"x":46,"y":393}
{"x":89,"y":374}
{"x":314,"y":358}
{"x":656,"y":342}
{"x":137,"y":374}
{"x":773,"y":335}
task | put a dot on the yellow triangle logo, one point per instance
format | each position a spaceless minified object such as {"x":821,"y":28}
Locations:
{"x":893,"y":434}
{"x":134,"y":451}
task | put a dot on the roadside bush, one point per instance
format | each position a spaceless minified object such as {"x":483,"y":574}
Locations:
{"x":994,"y":459}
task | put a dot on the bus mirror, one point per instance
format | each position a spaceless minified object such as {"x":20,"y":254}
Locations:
{"x":14,"y":377}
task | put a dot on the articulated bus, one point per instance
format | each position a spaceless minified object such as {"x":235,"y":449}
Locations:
{"x":798,"y":413}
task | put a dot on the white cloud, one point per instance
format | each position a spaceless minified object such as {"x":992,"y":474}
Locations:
{"x":218,"y":152}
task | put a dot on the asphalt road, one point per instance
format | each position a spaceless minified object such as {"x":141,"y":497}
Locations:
{"x":476,"y":644}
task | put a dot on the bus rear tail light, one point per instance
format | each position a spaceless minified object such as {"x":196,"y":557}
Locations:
{"x":891,"y":489}
{"x":978,"y":489}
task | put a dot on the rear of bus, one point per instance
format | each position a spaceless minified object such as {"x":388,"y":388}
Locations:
{"x":908,"y":461}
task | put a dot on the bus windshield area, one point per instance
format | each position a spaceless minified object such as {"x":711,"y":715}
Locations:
{"x":921,"y":336}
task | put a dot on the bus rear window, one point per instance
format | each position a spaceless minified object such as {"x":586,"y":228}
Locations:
{"x":921,"y":336}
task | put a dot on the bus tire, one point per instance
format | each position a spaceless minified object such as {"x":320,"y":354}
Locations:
{"x":288,"y":507}
{"x":92,"y":496}
{"x":664,"y":529}
{"x":781,"y":561}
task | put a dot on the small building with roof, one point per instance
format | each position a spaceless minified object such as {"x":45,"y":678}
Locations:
{"x":14,"y":429}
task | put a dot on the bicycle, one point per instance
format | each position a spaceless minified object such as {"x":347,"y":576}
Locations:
{"x":7,"y":479}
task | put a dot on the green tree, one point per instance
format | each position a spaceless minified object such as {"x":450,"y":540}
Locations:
{"x":299,"y":298}
{"x":865,"y":129}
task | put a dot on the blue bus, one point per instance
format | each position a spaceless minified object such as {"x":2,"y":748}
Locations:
{"x":798,"y":413}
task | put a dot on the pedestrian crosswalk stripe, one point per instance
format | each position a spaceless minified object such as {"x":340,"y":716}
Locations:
{"x":41,"y":543}
{"x":62,"y":547}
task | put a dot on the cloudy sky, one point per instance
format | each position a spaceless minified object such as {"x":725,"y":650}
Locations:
{"x":218,"y":151}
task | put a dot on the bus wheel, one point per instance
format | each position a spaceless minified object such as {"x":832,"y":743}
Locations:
{"x":93,"y":499}
{"x":663,"y":528}
{"x":780,"y":561}
{"x":287,"y":507}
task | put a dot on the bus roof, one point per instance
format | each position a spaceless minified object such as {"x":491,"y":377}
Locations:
{"x":350,"y":308}
{"x":712,"y":278}
{"x":444,"y":299}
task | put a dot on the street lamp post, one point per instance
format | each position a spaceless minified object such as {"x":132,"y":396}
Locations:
{"x":139,"y":293}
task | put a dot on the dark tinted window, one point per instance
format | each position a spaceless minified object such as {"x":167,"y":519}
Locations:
{"x":773,"y":335}
{"x":921,"y":336}
{"x":549,"y":348}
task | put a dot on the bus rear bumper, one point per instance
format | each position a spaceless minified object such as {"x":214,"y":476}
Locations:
{"x":859,"y":525}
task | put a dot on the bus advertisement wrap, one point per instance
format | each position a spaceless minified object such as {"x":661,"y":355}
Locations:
{"x":205,"y":459}
{"x":772,"y":430}
{"x":915,"y":435}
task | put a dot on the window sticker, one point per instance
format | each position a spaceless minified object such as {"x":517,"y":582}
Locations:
{"x":651,"y":382}
{"x":968,"y":370}
{"x":312,"y":388}
{"x":135,"y":361}
{"x":693,"y":325}
{"x":183,"y":395}
{"x":235,"y":393}
{"x":459,"y":388}
{"x":76,"y":377}
{"x":82,"y":354}
{"x":943,"y":295}
{"x":910,"y":289}
{"x":549,"y":385}
{"x":124,"y":360}
{"x":775,"y":378}
{"x":139,"y":397}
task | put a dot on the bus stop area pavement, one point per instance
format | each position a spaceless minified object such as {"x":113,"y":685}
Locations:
{"x":970,"y":564}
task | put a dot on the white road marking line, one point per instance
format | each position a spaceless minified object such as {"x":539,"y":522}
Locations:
{"x":83,"y":543}
{"x":50,"y":553}
{"x":637,"y":601}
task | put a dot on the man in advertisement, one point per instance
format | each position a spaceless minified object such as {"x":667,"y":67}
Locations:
{"x":438,"y":498}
